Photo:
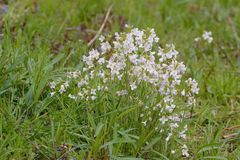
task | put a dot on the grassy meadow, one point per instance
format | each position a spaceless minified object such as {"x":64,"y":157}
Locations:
{"x":41,"y":40}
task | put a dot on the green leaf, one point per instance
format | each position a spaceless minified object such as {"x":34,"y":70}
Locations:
{"x":215,"y":157}
{"x":160,"y":155}
{"x":208,"y":147}
{"x":152,"y":143}
{"x":98,"y":129}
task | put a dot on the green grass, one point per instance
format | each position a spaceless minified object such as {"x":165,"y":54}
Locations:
{"x":36,"y":48}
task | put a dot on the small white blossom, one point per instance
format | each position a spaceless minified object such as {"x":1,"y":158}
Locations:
{"x":207,"y":36}
{"x":122,"y":92}
{"x":168,"y":137}
{"x":185,"y":151}
{"x":174,"y":125}
{"x":93,"y":97}
{"x":72,"y":96}
{"x":163,"y":119}
{"x":101,"y":61}
{"x":62,"y":89}
{"x":66,"y":84}
{"x":80,"y":94}
{"x":52,"y":85}
{"x":52,"y":94}
{"x":93,"y":91}
{"x":105,"y":47}
{"x":126,"y":25}
{"x":183,"y":93}
{"x":144,"y":123}
{"x":197,"y":39}
{"x":75,"y":74}
{"x":133,"y":86}
{"x":101,"y":38}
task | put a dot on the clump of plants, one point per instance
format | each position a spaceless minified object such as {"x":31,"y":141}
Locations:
{"x":134,"y":69}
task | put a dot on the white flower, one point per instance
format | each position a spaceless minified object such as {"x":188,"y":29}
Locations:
{"x":174,"y":125}
{"x":93,"y":91}
{"x":193,"y":84}
{"x":168,"y":137}
{"x":101,"y":38}
{"x":207,"y":36}
{"x":62,"y":89}
{"x":185,"y":151}
{"x":170,"y":108}
{"x":99,"y":88}
{"x":80,"y":94}
{"x":163,"y":119}
{"x":197,"y":39}
{"x":183,"y":93}
{"x":122,"y":92}
{"x":75,"y":74}
{"x":101,"y":61}
{"x":93,"y":97}
{"x":72,"y":96}
{"x":81,"y":83}
{"x":105,"y":47}
{"x":144,"y":123}
{"x":52,"y":94}
{"x":133,"y":86}
{"x":150,"y":118}
{"x":66,"y":84}
{"x":183,"y":135}
{"x":52,"y":85}
{"x":126,"y":25}
{"x":133,"y":58}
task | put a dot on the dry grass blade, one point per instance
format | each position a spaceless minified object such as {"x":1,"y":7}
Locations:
{"x":231,"y":135}
{"x":102,"y":26}
{"x":226,"y":136}
{"x":233,"y":127}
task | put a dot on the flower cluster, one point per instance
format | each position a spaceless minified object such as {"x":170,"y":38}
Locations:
{"x":207,"y":36}
{"x":127,"y":64}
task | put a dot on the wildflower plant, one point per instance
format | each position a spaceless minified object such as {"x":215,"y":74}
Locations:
{"x":206,"y":36}
{"x":134,"y":66}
